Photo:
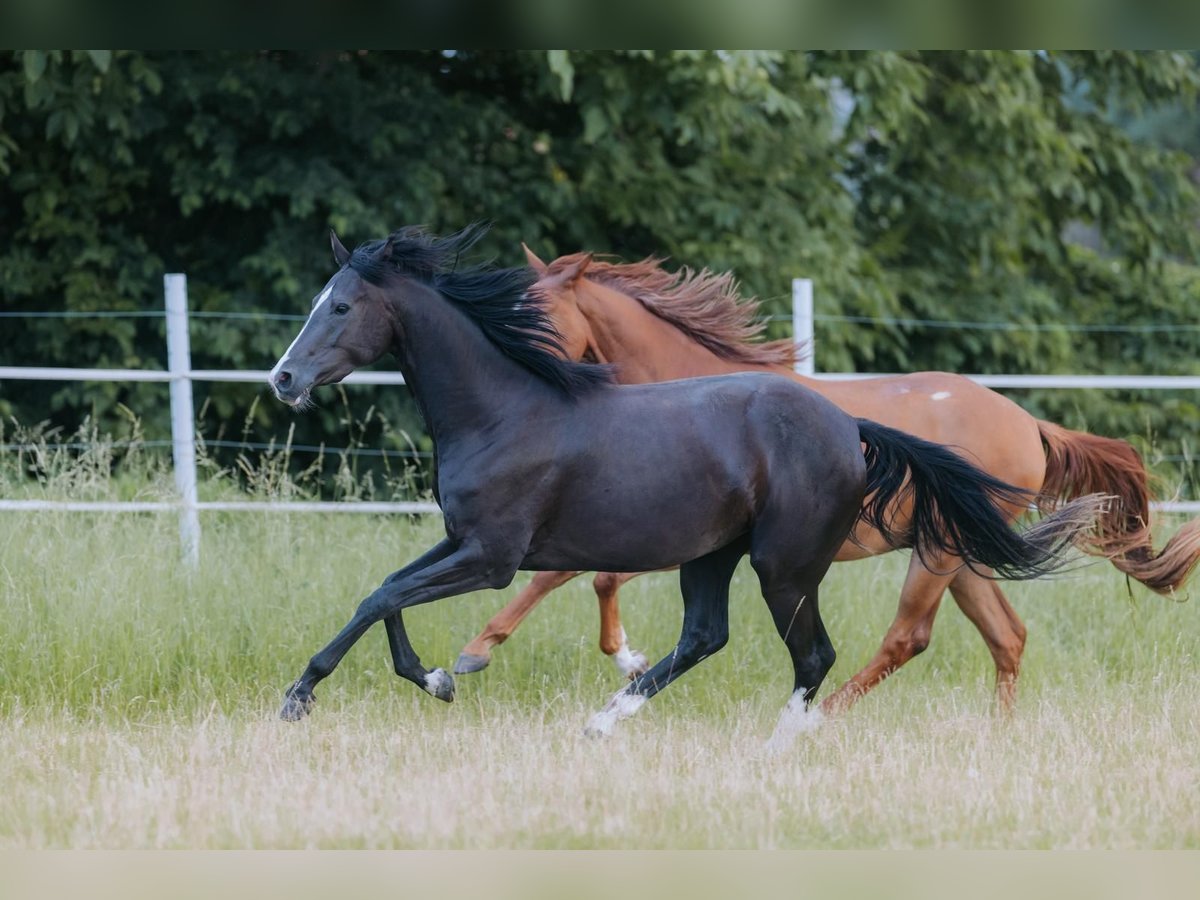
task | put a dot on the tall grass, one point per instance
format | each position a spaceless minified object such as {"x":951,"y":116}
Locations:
{"x":138,"y":701}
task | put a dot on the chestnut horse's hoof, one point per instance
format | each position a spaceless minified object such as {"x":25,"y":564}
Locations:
{"x":440,"y":684}
{"x":469,"y":662}
{"x":296,"y":704}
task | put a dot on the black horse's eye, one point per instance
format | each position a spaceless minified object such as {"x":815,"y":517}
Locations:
{"x":342,"y":308}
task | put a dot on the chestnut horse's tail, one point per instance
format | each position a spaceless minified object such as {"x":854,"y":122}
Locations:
{"x":960,"y":510}
{"x":1080,"y":463}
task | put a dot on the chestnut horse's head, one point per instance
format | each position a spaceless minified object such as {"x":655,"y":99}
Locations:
{"x":556,"y":289}
{"x":623,"y":313}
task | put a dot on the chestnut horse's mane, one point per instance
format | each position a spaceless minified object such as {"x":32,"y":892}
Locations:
{"x":704,"y":305}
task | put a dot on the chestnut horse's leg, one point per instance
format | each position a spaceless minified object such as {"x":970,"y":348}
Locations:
{"x":909,"y":632}
{"x":478,"y":653}
{"x":613,"y":641}
{"x":985,"y":605}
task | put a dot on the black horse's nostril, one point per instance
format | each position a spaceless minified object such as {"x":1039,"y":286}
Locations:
{"x":283,"y":379}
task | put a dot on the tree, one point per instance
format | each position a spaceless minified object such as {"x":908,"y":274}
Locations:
{"x":909,"y":185}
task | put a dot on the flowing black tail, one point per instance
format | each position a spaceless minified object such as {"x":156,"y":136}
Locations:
{"x":956,"y":508}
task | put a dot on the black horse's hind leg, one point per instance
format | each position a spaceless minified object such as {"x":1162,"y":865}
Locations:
{"x":705,"y":586}
{"x":798,"y":621}
{"x":793,"y":606}
{"x":445,"y":571}
{"x":791,"y":557}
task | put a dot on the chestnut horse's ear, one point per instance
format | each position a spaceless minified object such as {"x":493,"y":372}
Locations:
{"x":340,"y":253}
{"x":571,"y":271}
{"x":535,"y":262}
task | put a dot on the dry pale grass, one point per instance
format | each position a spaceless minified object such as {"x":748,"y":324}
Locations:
{"x":137,"y":709}
{"x":1113,"y":770}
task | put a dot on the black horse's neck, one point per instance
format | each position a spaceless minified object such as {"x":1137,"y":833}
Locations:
{"x":460,"y":380}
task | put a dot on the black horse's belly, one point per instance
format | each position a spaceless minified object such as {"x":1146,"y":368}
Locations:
{"x":670,"y":483}
{"x":639,"y":550}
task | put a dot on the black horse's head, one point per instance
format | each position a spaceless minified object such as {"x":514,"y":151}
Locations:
{"x":366,"y":308}
{"x":342,"y":333}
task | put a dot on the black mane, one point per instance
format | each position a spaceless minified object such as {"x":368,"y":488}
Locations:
{"x":494,"y":298}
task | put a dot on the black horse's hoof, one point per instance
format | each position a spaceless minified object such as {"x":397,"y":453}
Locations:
{"x":594,"y":733}
{"x":623,"y":704}
{"x":440,"y":684}
{"x":296,"y":705}
{"x":469,"y":662}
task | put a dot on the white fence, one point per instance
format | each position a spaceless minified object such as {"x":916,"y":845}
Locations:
{"x":180,"y":375}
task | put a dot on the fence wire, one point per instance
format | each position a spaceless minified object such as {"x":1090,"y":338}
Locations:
{"x":907,"y":322}
{"x":30,"y":446}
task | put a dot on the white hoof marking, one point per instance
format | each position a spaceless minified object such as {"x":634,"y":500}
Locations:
{"x":630,"y":662}
{"x":794,"y":720}
{"x":621,"y":706}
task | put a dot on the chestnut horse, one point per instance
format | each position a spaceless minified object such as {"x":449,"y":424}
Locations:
{"x":655,"y":325}
{"x":543,"y":463}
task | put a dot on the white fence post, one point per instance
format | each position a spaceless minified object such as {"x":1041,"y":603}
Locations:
{"x":802,"y":324}
{"x":183,"y":436}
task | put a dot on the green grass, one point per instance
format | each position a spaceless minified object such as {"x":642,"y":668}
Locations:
{"x":138,"y":701}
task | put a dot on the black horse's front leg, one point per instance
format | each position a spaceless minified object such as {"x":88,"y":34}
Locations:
{"x":444,"y":571}
{"x":407,"y":664}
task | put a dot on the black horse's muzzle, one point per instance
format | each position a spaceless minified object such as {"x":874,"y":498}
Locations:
{"x":286,"y":387}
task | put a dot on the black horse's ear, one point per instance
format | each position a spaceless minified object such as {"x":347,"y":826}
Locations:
{"x":340,"y":253}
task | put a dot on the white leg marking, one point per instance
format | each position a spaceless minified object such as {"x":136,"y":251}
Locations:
{"x":794,"y":720}
{"x":630,"y":662}
{"x":621,"y":706}
{"x":940,"y":395}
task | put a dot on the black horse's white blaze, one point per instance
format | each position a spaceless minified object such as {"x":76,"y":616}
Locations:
{"x":273,"y":377}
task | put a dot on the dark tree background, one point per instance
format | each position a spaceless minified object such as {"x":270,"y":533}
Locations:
{"x":1022,"y":189}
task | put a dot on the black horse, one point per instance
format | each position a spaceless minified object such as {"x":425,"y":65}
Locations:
{"x":696,"y":472}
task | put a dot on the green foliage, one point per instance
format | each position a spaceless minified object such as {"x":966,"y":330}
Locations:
{"x":910,"y":185}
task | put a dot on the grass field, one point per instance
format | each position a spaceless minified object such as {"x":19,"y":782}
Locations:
{"x":138,"y":702}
